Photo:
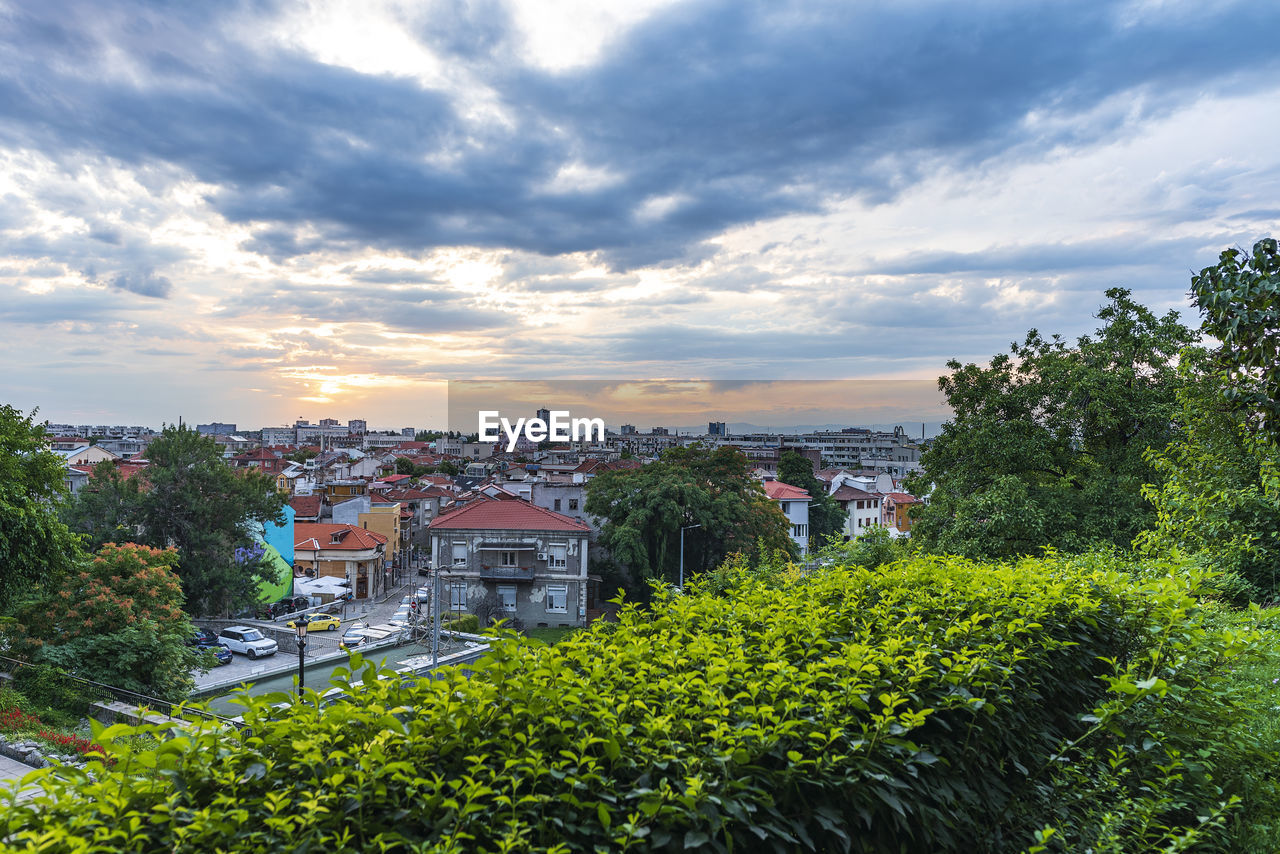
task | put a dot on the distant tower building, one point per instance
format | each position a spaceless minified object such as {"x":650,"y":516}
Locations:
{"x":628,"y":430}
{"x":408,"y":431}
{"x":545,"y":415}
{"x":358,"y":426}
{"x":328,"y":422}
{"x":716,"y":428}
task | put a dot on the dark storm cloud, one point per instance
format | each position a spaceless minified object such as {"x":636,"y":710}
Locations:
{"x":415,"y":309}
{"x":710,"y":114}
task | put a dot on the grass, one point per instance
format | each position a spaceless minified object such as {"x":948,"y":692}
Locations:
{"x":550,"y":636}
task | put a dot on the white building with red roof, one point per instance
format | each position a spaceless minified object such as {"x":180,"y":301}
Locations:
{"x":794,"y":503}
{"x":532,"y":560}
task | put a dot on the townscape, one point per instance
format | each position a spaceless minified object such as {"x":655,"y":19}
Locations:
{"x":566,"y":427}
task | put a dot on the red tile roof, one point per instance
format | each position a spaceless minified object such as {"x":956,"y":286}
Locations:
{"x":508,"y":515}
{"x":902,"y":498}
{"x":305,"y":506}
{"x":309,"y":536}
{"x":779,"y":491}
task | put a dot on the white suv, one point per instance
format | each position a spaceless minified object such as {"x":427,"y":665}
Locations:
{"x":247,"y":641}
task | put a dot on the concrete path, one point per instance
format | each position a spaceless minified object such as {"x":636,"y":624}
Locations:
{"x":11,"y":771}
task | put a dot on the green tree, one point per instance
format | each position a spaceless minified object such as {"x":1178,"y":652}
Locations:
{"x":1219,"y":494}
{"x":35,"y":545}
{"x":826,"y":519}
{"x":448,"y":467}
{"x":302,"y":455}
{"x":643,"y":510}
{"x":106,"y":509}
{"x":1240,"y":300}
{"x":206,"y":510}
{"x":1047,"y":444}
{"x":116,"y":619}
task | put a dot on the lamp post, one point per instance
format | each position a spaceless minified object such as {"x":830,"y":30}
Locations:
{"x":300,"y":626}
{"x":682,"y":530}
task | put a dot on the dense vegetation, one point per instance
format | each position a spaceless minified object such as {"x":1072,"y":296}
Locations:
{"x":643,"y":510}
{"x":117,"y":619}
{"x":194,"y":502}
{"x":1047,"y":444}
{"x":935,"y":704}
{"x":34,"y":546}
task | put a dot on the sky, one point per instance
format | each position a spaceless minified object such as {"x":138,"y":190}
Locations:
{"x":253,"y":212}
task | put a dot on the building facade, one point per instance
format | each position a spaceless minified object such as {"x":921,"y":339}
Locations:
{"x":531,"y":560}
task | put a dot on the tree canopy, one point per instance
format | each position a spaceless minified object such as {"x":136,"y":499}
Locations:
{"x":1047,"y":444}
{"x":117,"y":619}
{"x":197,"y":504}
{"x":1240,"y":300}
{"x":35,"y":546}
{"x":644,"y":508}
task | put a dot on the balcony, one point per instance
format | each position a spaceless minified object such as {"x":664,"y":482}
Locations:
{"x":506,"y":573}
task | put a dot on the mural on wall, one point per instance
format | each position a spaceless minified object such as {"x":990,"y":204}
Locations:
{"x":275,"y":546}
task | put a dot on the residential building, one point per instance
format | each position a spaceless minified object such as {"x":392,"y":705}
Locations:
{"x":897,"y":512}
{"x":794,"y":504}
{"x":347,"y":552}
{"x":533,"y":560}
{"x":861,"y":508}
{"x":216,"y":428}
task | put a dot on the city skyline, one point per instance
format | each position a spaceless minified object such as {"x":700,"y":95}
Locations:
{"x":251,"y":211}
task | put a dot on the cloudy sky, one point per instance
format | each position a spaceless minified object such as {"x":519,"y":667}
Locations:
{"x":252,"y":212}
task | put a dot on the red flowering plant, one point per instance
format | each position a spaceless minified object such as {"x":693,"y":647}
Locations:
{"x":17,"y":722}
{"x":117,"y":619}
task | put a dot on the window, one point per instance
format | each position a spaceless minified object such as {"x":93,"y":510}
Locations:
{"x":799,"y":531}
{"x":556,"y":505}
{"x":507,"y":596}
{"x":556,"y":557}
{"x":786,"y":506}
{"x":459,"y":554}
{"x":509,"y":559}
{"x":573,"y":504}
{"x":458,"y":596}
{"x":558,"y":598}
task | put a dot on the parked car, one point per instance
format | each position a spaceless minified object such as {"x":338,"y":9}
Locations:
{"x":352,"y":639}
{"x":316,"y":622}
{"x":401,"y":617}
{"x":221,"y":654}
{"x":247,"y":641}
{"x":202,"y":638}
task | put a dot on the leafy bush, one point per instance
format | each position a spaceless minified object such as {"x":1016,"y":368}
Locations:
{"x":930,"y":705}
{"x":49,"y":689}
{"x":469,"y":623}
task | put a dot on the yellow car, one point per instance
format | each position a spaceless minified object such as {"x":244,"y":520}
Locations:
{"x":317,"y":623}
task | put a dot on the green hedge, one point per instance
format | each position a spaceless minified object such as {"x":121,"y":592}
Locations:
{"x":932,"y":705}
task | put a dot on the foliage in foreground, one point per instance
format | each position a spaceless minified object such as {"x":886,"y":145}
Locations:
{"x":934,"y":704}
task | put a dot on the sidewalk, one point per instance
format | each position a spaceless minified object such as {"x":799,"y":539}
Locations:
{"x":11,"y":771}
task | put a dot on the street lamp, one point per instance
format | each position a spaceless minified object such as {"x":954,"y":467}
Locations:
{"x":300,"y":626}
{"x":682,"y":530}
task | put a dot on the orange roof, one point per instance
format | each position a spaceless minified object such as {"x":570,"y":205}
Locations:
{"x":310,"y":536}
{"x":902,"y":498}
{"x":507,"y":515}
{"x":779,"y":491}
